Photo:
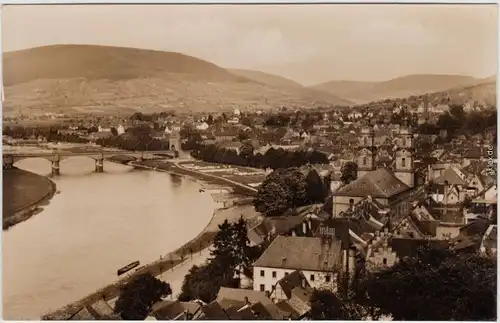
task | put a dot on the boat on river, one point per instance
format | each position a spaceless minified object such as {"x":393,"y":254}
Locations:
{"x":127,"y":268}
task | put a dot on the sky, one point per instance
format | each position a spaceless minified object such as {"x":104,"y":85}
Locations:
{"x":308,"y":43}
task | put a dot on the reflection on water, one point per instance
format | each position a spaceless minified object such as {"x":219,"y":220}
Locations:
{"x":97,"y":224}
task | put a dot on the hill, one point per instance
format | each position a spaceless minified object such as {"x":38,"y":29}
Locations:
{"x":483,"y":93}
{"x":266,"y":78}
{"x":362,"y":92}
{"x":291,"y":86}
{"x":101,"y":79}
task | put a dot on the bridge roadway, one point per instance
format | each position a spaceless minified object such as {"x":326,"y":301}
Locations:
{"x":9,"y":159}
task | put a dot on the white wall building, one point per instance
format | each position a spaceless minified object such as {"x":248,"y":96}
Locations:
{"x":318,"y":258}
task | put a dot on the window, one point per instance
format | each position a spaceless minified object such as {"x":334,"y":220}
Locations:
{"x":404,"y":142}
{"x":274,"y":274}
{"x":384,"y":261}
{"x":366,"y":141}
{"x":312,"y":277}
{"x":262,"y":287}
{"x":327,"y":278}
{"x":286,"y":274}
{"x":403,"y":162}
{"x":364,"y":160}
{"x":261,"y":273}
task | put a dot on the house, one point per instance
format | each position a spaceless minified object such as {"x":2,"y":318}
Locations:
{"x":211,"y":312}
{"x":225,"y":135}
{"x":174,"y":310}
{"x":104,"y":128}
{"x":381,"y":185}
{"x":82,"y":315}
{"x":242,"y":296}
{"x":249,"y":304}
{"x":318,"y":258}
{"x":120,"y":129}
{"x":479,"y":154}
{"x":283,"y":288}
{"x":202,"y":126}
{"x":294,"y":295}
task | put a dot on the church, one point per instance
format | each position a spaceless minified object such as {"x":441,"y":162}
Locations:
{"x":391,"y":188}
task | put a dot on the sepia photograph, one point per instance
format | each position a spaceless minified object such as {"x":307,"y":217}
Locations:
{"x":249,"y":161}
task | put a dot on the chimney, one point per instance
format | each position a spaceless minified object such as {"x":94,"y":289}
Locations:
{"x":247,"y":302}
{"x":303,"y":282}
{"x":304,"y":227}
{"x":283,"y":262}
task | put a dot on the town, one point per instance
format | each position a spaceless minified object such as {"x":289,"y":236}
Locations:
{"x":264,"y":162}
{"x":350,"y":195}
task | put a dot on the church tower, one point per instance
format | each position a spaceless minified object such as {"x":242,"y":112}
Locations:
{"x":366,"y":152}
{"x":404,"y":169}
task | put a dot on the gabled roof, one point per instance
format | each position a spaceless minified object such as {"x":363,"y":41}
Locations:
{"x":302,"y":253}
{"x":450,"y":175}
{"x":238,"y":294}
{"x":286,"y":307}
{"x":378,"y":183}
{"x":292,"y":280}
{"x":212,"y":311}
{"x":82,"y":315}
{"x":168,"y":310}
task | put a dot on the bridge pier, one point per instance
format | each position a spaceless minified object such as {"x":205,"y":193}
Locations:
{"x":99,"y":165}
{"x":55,"y":168}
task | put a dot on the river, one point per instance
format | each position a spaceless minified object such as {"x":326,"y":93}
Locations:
{"x":95,"y":225}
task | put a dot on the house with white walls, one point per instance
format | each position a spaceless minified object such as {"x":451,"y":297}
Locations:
{"x":319,"y":259}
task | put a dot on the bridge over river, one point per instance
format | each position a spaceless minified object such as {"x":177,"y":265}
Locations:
{"x":9,"y":159}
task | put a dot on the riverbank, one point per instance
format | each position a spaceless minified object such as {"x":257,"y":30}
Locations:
{"x":24,"y":195}
{"x":171,"y":261}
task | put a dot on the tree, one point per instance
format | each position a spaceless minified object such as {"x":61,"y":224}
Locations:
{"x":231,"y":250}
{"x":272,"y":199}
{"x":349,"y":172}
{"x":281,"y":190}
{"x":138,"y":296}
{"x":204,"y":282}
{"x":246,"y":150}
{"x":315,"y":188}
{"x":326,"y":305}
{"x":436,"y":285}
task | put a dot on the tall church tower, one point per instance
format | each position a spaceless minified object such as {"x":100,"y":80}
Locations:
{"x":404,"y":169}
{"x":366,"y":152}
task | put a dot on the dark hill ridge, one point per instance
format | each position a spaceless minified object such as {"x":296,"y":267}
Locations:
{"x":102,"y":79}
{"x":400,"y":87}
{"x":104,"y":62}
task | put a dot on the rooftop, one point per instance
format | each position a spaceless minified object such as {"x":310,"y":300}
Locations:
{"x":301,"y":253}
{"x":380,"y":183}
